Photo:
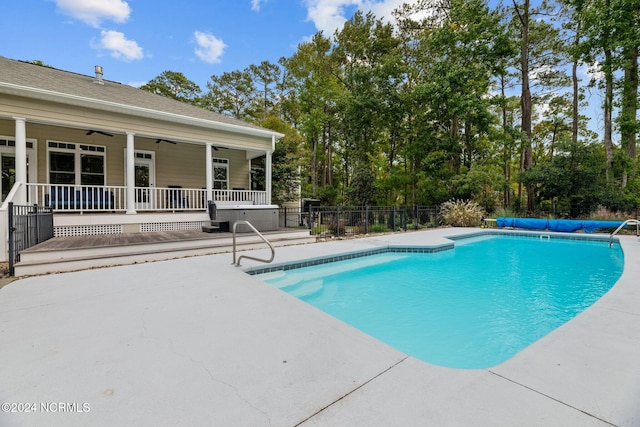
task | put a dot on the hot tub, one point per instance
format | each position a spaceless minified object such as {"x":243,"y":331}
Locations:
{"x":262,"y":217}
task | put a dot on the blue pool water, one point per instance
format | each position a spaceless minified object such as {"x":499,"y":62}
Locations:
{"x":471,"y":307}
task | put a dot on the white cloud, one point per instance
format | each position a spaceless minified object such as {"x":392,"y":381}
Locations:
{"x":594,"y":71}
{"x":330,"y":15}
{"x":210,"y":48}
{"x":137,"y":84}
{"x":120,"y":47}
{"x":540,"y":71}
{"x":93,"y":12}
{"x":255,"y":5}
{"x":385,"y":8}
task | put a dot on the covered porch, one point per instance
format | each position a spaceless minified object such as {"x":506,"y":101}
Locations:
{"x":108,"y":158}
{"x":101,"y":182}
{"x":84,"y":171}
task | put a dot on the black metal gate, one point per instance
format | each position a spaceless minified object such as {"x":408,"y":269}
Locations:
{"x":28,"y":226}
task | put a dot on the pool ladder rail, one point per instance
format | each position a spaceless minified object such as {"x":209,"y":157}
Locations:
{"x":264,"y":239}
{"x":624,"y":224}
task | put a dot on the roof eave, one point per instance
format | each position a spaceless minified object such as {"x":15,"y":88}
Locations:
{"x":47,"y":95}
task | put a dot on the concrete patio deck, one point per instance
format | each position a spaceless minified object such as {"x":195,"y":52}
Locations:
{"x":196,"y":341}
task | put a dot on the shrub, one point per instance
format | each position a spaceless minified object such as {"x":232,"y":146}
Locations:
{"x":460,"y":213}
{"x":378,"y":228}
{"x":603,"y":213}
{"x":337,"y":226}
{"x":503,"y":213}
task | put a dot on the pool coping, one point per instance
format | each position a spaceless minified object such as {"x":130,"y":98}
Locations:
{"x":197,"y":341}
{"x":398,"y":248}
{"x":348,"y":255}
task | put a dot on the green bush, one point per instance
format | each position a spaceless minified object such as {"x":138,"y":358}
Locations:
{"x":337,"y":226}
{"x":460,"y":213}
{"x":503,"y":213}
{"x":378,"y":228}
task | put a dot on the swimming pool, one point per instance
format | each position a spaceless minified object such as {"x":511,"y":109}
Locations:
{"x":471,"y":307}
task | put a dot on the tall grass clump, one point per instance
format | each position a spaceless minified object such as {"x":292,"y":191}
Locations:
{"x":603,"y":213}
{"x":504,"y":213}
{"x":461,"y":213}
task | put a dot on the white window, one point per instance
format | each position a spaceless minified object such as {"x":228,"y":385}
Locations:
{"x":8,"y":163}
{"x":76,"y":164}
{"x":220,"y":174}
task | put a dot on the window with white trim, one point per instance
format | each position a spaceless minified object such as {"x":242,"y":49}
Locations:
{"x":73,"y":164}
{"x":220,"y":174}
{"x":5,"y":142}
{"x":8,"y":163}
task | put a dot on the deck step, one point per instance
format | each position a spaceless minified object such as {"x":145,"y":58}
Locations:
{"x":34,"y":262}
{"x":216,"y":226}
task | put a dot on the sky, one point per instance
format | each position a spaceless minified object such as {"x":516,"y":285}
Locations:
{"x":136,"y":40}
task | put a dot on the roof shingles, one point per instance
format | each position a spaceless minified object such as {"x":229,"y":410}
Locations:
{"x":65,"y":82}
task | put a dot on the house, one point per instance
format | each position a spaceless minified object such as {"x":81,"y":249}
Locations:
{"x":111,"y":158}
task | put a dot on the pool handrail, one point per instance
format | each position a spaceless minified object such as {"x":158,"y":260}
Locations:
{"x":624,"y":224}
{"x":264,"y":239}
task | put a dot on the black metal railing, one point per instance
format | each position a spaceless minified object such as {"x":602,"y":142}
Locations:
{"x":341,"y":221}
{"x":28,"y":226}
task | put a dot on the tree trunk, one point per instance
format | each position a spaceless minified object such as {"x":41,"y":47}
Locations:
{"x":608,"y":99}
{"x":330,"y":158}
{"x":506,"y":154}
{"x":608,"y":107}
{"x":467,"y":141}
{"x":525,"y":102}
{"x":455,"y":152}
{"x":520,"y":182}
{"x":324,"y":156}
{"x":576,"y":95}
{"x":552,"y":147}
{"x":314,"y":165}
{"x":628,"y":112}
{"x":633,"y":100}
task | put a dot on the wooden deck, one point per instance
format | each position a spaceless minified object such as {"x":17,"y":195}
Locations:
{"x":61,"y":254}
{"x":129,"y":239}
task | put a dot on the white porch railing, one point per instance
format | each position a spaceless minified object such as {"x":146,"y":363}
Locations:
{"x":77,"y":198}
{"x":243,"y":197}
{"x":88,"y":198}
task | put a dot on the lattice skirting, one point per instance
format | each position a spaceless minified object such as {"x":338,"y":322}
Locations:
{"x":92,"y":230}
{"x":86,"y":230}
{"x":172,"y":226}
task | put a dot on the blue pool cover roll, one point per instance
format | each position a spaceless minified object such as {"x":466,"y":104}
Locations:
{"x":563,"y":225}
{"x":531,"y":223}
{"x":505,"y":222}
{"x":591,"y":226}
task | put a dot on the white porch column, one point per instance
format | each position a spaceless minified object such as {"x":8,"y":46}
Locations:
{"x":21,"y":159}
{"x":267,"y":172}
{"x":209,"y":169}
{"x":131,"y":174}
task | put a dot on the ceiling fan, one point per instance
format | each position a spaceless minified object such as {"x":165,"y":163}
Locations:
{"x":159,"y":140}
{"x":216,"y":148}
{"x":91,"y":132}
